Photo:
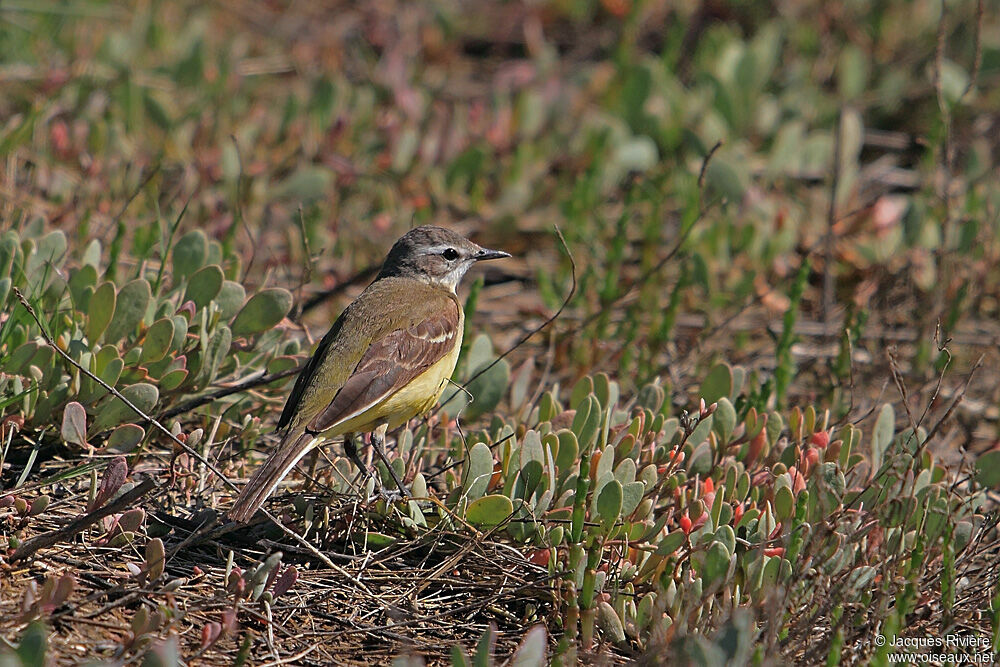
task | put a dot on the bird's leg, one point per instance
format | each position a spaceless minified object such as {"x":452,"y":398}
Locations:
{"x":351,"y":450}
{"x":378,"y":440}
{"x":311,"y":475}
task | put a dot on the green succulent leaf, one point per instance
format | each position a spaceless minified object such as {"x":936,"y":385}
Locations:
{"x":204,"y":285}
{"x":115,"y":412}
{"x":230,"y":299}
{"x":487,"y":390}
{"x":610,"y":623}
{"x":631,"y":496}
{"x":130,"y":308}
{"x":100,"y":312}
{"x":569,"y":450}
{"x":173,"y":379}
{"x":670,"y":543}
{"x":609,"y":503}
{"x":718,"y":383}
{"x":885,"y":427}
{"x":189,"y":255}
{"x":479,"y":470}
{"x":125,"y":438}
{"x":587,"y":422}
{"x":724,"y":419}
{"x":74,"y":424}
{"x":157,"y":341}
{"x":489,"y":510}
{"x":264,"y":310}
{"x":988,"y":469}
{"x":376,"y":540}
{"x":716,"y":564}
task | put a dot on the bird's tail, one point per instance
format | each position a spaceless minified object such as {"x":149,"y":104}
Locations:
{"x":292,"y":447}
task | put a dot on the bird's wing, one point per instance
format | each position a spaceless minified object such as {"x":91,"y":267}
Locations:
{"x":390,"y":363}
{"x":308,"y":372}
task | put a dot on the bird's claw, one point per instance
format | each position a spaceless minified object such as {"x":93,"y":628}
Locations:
{"x":389,"y":495}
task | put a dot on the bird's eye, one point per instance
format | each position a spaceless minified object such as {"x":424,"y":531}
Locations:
{"x":450,"y":254}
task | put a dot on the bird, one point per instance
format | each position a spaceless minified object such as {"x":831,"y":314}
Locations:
{"x":385,"y":360}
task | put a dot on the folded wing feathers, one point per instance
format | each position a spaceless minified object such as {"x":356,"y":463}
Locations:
{"x":389,"y":365}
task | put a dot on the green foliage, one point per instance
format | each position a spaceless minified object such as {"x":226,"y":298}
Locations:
{"x":154,"y":346}
{"x":161,"y":245}
{"x":30,"y":651}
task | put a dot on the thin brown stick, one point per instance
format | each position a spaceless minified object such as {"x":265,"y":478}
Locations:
{"x":831,"y":218}
{"x":942,"y":254}
{"x":240,"y":177}
{"x":80,"y":524}
{"x":957,"y":399}
{"x":977,"y":59}
{"x":249,"y":382}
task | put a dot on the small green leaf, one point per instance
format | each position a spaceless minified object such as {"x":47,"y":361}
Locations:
{"x":377,"y":540}
{"x":569,"y":450}
{"x":784,"y":503}
{"x":33,"y":646}
{"x":157,"y":341}
{"x":51,"y":251}
{"x":885,"y":427}
{"x":307,"y":184}
{"x":230,"y":299}
{"x":718,"y":383}
{"x":484,"y":647}
{"x":631,"y":496}
{"x":189,"y":254}
{"x":173,"y":379}
{"x":81,"y":286}
{"x":102,"y":308}
{"x":487,"y":390}
{"x":531,"y":449}
{"x":479,"y":469}
{"x":716,"y":564}
{"x":609,"y":622}
{"x":125,"y":438}
{"x":130,"y":308}
{"x":988,"y":469}
{"x":587,"y":422}
{"x":724,"y":419}
{"x":215,"y":354}
{"x":115,"y":412}
{"x":670,"y":543}
{"x":609,"y":502}
{"x":489,"y":510}
{"x":204,"y":285}
{"x":264,"y":310}
{"x":74,"y":424}
{"x":852,"y":72}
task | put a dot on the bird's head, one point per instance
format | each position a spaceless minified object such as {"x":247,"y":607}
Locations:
{"x":434,"y":255}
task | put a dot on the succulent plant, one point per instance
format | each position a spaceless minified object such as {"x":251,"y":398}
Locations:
{"x":157,"y":338}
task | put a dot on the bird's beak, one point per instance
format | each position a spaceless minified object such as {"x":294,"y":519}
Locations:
{"x":486,"y":253}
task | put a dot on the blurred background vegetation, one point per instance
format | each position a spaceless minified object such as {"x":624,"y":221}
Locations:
{"x":806,"y":191}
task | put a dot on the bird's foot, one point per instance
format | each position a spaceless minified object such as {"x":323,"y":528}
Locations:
{"x":390,"y":496}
